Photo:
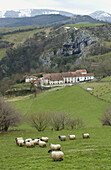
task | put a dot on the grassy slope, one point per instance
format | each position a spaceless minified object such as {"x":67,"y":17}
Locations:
{"x":101,"y":89}
{"x":82,"y":25}
{"x":72,"y":100}
{"x":19,"y":38}
{"x":92,"y":153}
{"x":2,"y":53}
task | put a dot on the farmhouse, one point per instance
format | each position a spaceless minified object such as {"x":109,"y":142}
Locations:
{"x":66,"y":77}
{"x":30,"y":79}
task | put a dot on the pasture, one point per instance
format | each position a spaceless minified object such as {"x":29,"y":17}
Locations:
{"x":100,"y":89}
{"x":91,"y":153}
{"x":74,"y":101}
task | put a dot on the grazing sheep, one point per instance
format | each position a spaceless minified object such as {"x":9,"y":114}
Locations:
{"x":27,"y":140}
{"x":45,"y":139}
{"x":21,"y":142}
{"x":42,"y":143}
{"x":72,"y":137}
{"x":36,"y":141}
{"x":30,"y":144}
{"x":56,"y":155}
{"x":55,"y":147}
{"x":18,"y":138}
{"x":85,"y":135}
{"x":62,"y":138}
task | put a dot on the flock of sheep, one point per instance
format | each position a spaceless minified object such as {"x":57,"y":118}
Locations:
{"x":54,"y":151}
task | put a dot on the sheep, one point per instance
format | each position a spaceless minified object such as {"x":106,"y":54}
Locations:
{"x":85,"y":135}
{"x":55,"y":147}
{"x":30,"y":143}
{"x":18,"y":138}
{"x":42,"y":143}
{"x":45,"y":139}
{"x":56,"y":155}
{"x":72,"y":137}
{"x":21,"y":142}
{"x":28,"y":139}
{"x":62,"y":138}
{"x":36,"y":141}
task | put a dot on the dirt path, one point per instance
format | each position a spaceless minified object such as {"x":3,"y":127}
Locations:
{"x":18,"y":98}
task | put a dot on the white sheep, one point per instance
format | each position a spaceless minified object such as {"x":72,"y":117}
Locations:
{"x":28,"y":140}
{"x":42,"y":143}
{"x":30,"y":144}
{"x":56,"y":155}
{"x":85,"y":135}
{"x":55,"y":147}
{"x":45,"y":139}
{"x":36,"y":141}
{"x":18,"y":138}
{"x":21,"y":142}
{"x":62,"y":138}
{"x":72,"y":137}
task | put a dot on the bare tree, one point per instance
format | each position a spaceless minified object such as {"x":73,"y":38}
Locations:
{"x":39,"y":121}
{"x":106,"y":117}
{"x":59,"y":120}
{"x":8,"y":116}
{"x":75,"y":123}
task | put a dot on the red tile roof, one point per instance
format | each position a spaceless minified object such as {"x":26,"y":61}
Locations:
{"x":81,"y":70}
{"x":60,"y":76}
{"x":32,"y":77}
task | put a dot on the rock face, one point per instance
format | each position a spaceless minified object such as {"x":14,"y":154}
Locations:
{"x":76,"y":44}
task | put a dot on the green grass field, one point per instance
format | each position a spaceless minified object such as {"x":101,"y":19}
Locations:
{"x":101,"y":89}
{"x":72,"y":100}
{"x":19,"y":38}
{"x":83,"y":24}
{"x":92,"y":153}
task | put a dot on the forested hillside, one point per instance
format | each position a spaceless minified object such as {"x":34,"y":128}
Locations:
{"x":33,"y":50}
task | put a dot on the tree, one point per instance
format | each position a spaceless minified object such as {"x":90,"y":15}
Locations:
{"x":39,"y":121}
{"x":76,"y":123}
{"x":59,"y":120}
{"x":106,"y":117}
{"x":8,"y":116}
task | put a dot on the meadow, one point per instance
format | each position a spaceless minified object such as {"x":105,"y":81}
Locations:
{"x":91,"y":153}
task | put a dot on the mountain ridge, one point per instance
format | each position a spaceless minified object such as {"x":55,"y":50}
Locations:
{"x":101,"y":15}
{"x":31,"y":13}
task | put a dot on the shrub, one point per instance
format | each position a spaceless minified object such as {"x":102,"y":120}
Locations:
{"x":76,"y":123}
{"x":59,"y":120}
{"x":106,"y":117}
{"x":8,"y":116}
{"x":39,"y":121}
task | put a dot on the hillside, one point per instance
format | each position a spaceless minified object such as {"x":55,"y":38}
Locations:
{"x":46,"y":20}
{"x":71,"y":100}
{"x":56,"y":49}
